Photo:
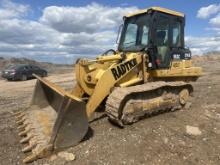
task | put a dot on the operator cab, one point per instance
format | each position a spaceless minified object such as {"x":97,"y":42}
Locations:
{"x":158,"y":31}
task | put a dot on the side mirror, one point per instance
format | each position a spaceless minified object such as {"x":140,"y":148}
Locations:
{"x":119,"y":33}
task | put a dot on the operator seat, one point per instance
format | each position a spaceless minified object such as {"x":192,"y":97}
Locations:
{"x":162,"y":47}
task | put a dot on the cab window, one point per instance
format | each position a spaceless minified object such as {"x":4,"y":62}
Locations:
{"x":135,"y":35}
{"x":162,"y":33}
{"x":144,"y":39}
{"x":131,"y":35}
{"x":176,"y":34}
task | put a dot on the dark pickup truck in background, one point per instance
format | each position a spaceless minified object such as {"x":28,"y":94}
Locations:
{"x":22,"y":72}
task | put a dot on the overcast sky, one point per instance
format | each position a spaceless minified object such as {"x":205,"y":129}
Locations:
{"x":53,"y":30}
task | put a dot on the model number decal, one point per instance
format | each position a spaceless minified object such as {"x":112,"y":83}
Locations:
{"x":123,"y":68}
{"x":176,"y":56}
{"x":187,"y":55}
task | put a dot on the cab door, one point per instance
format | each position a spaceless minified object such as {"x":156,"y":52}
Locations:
{"x":162,"y":41}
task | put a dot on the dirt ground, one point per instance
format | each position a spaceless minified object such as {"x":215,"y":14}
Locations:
{"x":162,"y":139}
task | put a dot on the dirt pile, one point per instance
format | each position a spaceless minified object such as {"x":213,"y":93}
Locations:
{"x":50,"y":67}
{"x":208,"y":57}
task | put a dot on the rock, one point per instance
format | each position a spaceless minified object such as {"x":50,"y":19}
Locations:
{"x":217,"y":131}
{"x":165,"y":140}
{"x":53,"y":157}
{"x":188,"y":105}
{"x":204,"y":139}
{"x":181,"y":142}
{"x":193,"y":130}
{"x":67,"y":156}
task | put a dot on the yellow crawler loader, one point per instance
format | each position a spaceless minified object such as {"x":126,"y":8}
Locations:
{"x":149,"y":73}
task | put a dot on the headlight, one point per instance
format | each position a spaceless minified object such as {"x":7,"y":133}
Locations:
{"x":12,"y":73}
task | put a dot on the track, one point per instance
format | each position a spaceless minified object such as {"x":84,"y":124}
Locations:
{"x":128,"y":105}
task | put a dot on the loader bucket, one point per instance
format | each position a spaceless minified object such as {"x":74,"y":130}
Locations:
{"x":55,"y":119}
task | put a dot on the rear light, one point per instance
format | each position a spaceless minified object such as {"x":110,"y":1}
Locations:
{"x":157,"y":61}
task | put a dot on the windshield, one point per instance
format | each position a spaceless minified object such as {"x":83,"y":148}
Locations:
{"x":12,"y":67}
{"x":135,"y":35}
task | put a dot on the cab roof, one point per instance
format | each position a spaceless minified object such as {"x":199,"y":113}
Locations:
{"x":160,"y":9}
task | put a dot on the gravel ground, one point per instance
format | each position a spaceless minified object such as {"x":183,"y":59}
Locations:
{"x":188,"y":136}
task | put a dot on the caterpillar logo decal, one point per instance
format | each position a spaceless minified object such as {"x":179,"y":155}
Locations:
{"x":123,"y":68}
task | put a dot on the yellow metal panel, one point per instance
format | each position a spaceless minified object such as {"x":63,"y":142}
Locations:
{"x":108,"y":58}
{"x":181,"y":64}
{"x":178,"y":68}
{"x":187,"y":63}
{"x":105,"y":84}
{"x":131,"y":82}
{"x":184,"y":72}
{"x":160,"y":9}
{"x":77,"y":91}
